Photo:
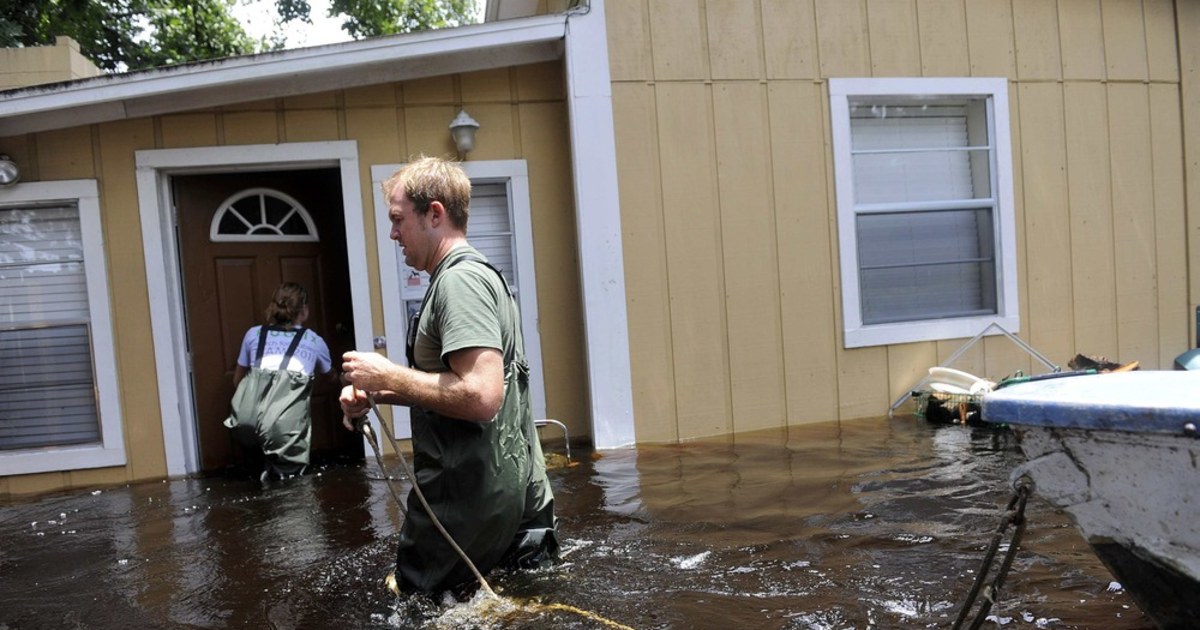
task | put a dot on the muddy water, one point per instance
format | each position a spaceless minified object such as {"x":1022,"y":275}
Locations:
{"x":872,"y":524}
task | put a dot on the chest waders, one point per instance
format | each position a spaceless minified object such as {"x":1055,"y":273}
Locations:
{"x":271,"y":413}
{"x":485,"y":480}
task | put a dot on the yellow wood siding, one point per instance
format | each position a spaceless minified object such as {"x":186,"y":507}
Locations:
{"x":1092,"y":266}
{"x":1188,"y":28}
{"x":943,"y":33}
{"x":692,"y":232}
{"x":748,"y":253}
{"x":803,"y":228}
{"x":647,"y":290}
{"x":722,"y":124}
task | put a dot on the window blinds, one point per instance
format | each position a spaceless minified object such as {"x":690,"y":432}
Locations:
{"x":924,"y":214}
{"x":47,"y":389}
{"x":490,"y":230}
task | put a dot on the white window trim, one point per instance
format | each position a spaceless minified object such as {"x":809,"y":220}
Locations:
{"x":84,"y":194}
{"x":856,"y":334}
{"x":154,"y":170}
{"x":515,"y":174}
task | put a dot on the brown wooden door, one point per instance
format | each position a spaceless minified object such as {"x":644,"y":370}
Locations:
{"x":227,"y":286}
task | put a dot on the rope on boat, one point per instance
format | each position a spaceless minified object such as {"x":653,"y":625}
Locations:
{"x":1014,"y":515}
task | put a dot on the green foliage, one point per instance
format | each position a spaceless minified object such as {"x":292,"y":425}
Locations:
{"x":119,"y":35}
{"x":374,"y":18}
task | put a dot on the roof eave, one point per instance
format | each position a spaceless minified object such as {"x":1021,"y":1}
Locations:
{"x":286,"y":73}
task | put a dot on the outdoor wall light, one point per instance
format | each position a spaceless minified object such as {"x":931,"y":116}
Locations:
{"x":462,"y":130}
{"x":9,"y":173}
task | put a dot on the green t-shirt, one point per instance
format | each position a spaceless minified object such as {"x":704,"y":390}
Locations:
{"x":487,"y":481}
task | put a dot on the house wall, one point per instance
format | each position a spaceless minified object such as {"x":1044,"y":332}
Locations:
{"x":728,"y":207}
{"x":522,"y":113}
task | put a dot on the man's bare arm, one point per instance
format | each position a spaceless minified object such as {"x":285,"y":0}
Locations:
{"x":473,"y":389}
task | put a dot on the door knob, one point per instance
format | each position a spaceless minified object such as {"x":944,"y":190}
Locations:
{"x":380,"y":342}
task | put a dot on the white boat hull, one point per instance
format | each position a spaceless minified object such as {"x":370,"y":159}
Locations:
{"x":1123,"y":463}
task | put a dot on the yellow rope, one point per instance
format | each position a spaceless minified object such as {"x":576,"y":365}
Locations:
{"x":582,"y":613}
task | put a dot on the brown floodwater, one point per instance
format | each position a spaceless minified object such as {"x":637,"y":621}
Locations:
{"x":870,"y":524}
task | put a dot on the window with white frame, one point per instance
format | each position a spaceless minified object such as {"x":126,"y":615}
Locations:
{"x":58,"y":398}
{"x":500,"y":227}
{"x":923,"y":171}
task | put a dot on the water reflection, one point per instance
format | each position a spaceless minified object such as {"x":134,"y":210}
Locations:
{"x":874,"y":524}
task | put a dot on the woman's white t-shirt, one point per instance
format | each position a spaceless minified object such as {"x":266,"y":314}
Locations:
{"x":311,"y":356}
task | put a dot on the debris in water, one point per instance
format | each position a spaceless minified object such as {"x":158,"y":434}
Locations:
{"x":692,"y":562}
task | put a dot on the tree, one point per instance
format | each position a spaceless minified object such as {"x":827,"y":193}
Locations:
{"x":119,"y":35}
{"x":374,"y":18}
{"x":128,"y":34}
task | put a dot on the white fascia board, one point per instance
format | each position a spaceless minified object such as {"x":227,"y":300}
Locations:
{"x":301,"y":70}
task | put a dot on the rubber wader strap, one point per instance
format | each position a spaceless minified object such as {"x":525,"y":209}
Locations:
{"x":291,"y":349}
{"x":411,"y":341}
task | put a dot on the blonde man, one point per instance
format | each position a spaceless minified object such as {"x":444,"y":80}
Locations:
{"x":475,"y":447}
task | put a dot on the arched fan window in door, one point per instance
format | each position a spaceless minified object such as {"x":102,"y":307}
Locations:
{"x":262,"y":214}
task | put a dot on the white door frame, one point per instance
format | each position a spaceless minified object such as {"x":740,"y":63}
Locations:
{"x":164,"y":283}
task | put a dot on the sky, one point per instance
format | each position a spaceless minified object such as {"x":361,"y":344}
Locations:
{"x":258,"y":18}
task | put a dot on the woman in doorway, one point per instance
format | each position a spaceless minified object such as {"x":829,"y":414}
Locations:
{"x":273,"y":381}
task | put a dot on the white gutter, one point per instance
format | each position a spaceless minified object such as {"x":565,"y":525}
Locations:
{"x":303,"y":70}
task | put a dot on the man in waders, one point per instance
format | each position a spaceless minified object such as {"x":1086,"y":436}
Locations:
{"x":475,"y":447}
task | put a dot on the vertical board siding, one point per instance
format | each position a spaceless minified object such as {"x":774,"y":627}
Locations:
{"x":942,"y":27}
{"x":749,"y":258}
{"x":1047,"y":222}
{"x":249,"y":127}
{"x":1175,"y":320}
{"x":677,"y":44}
{"x":1124,"y":40}
{"x":734,"y":39}
{"x":1162,"y":51}
{"x":628,"y":40}
{"x":377,"y":131}
{"x":311,"y":125}
{"x":991,"y":42}
{"x":803,"y":220}
{"x":1082,"y":39}
{"x":842,"y":43}
{"x":1098,"y":167}
{"x":65,"y":154}
{"x":907,"y":364}
{"x":789,"y":39}
{"x":1188,"y":16}
{"x":1091,"y":247}
{"x":1035,"y":26}
{"x":188,"y":130}
{"x":128,"y":288}
{"x":647,"y":297}
{"x":486,"y":86}
{"x":692,"y":223}
{"x":1134,"y":227}
{"x":892,"y":31}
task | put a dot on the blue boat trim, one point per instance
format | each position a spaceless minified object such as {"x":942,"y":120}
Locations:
{"x":1149,"y":401}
